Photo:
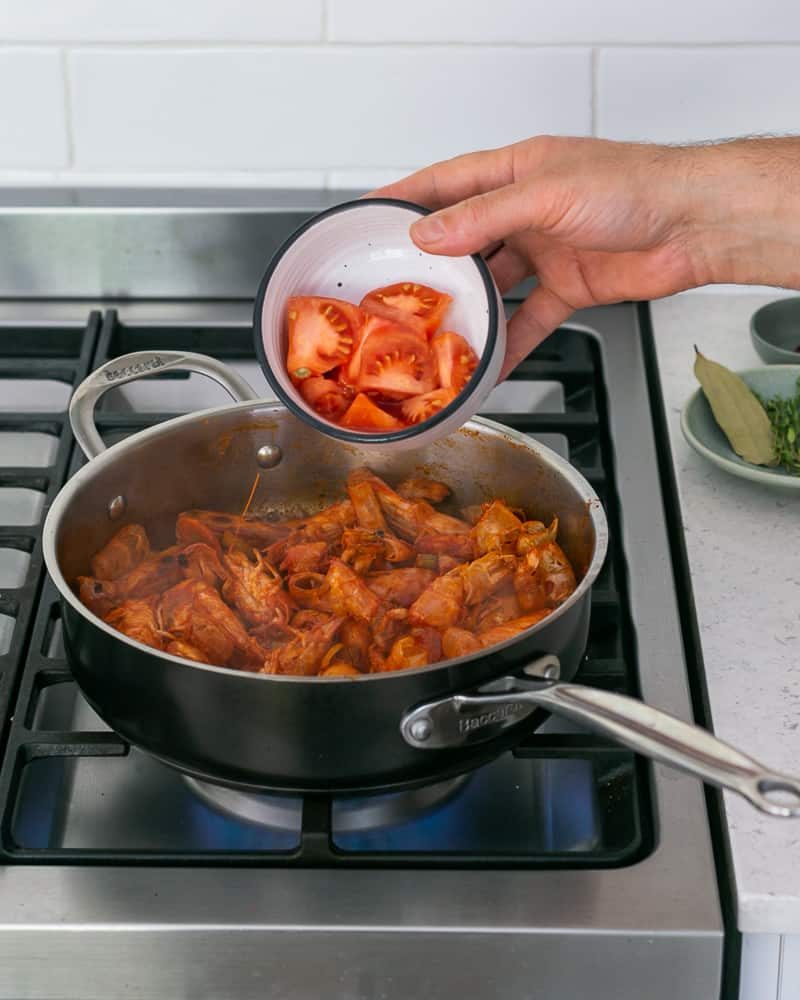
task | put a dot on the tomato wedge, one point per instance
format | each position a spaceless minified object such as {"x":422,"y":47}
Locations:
{"x":364,"y":415}
{"x":327,"y":397}
{"x":419,"y":408}
{"x":455,"y":360}
{"x":321,"y":334}
{"x":380,"y":334}
{"x":395,"y":364}
{"x":349,"y":372}
{"x":417,"y":306}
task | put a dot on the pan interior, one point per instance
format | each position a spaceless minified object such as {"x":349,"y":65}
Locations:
{"x":210,"y":461}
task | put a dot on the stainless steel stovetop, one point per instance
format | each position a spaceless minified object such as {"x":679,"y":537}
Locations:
{"x":566,"y":869}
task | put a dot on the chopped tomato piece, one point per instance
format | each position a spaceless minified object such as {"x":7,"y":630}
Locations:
{"x":455,"y":360}
{"x":419,"y":408}
{"x":321,"y":334}
{"x":349,"y":372}
{"x":418,"y":306}
{"x":327,"y":397}
{"x":374,"y":326}
{"x":364,"y":415}
{"x":381,"y":366}
{"x":341,"y":379}
{"x":396,"y":363}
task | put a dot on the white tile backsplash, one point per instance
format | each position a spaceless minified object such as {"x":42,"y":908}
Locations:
{"x":568,"y":21}
{"x":670,"y":95}
{"x":85,"y":21}
{"x":351,"y":94}
{"x":307,"y":107}
{"x":33,"y":131}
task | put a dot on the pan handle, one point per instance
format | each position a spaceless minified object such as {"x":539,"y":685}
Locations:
{"x":465,"y":719}
{"x":140,"y":364}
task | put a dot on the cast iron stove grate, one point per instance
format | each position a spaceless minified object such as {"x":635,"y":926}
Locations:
{"x":35,"y":447}
{"x":72,"y":791}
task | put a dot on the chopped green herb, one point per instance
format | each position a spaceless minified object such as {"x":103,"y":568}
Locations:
{"x":784,"y":415}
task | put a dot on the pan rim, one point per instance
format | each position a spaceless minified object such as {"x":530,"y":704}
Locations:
{"x":594,"y":508}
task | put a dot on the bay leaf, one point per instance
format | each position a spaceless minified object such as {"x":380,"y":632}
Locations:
{"x":738,"y":412}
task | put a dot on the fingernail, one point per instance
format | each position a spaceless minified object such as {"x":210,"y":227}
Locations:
{"x":429,"y":229}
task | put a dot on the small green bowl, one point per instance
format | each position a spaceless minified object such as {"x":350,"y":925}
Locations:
{"x":703,"y":433}
{"x":775,"y":332}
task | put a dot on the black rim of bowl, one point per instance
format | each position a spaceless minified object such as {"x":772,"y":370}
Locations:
{"x":342,"y":433}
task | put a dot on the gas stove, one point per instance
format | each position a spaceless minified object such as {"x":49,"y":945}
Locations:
{"x":567,"y":867}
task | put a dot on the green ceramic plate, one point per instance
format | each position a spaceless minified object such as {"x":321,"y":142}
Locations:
{"x":704,"y":435}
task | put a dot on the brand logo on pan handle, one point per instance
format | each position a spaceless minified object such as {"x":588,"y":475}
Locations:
{"x":503,"y":715}
{"x":148,"y":365}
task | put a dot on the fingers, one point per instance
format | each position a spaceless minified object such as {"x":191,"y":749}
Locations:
{"x":453,"y":180}
{"x":486,"y":252}
{"x":477,"y":222}
{"x":535,"y":319}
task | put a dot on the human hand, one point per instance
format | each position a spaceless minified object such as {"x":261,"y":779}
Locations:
{"x":598,"y":221}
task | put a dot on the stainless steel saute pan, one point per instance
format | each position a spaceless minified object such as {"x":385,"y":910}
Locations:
{"x":369,"y":733}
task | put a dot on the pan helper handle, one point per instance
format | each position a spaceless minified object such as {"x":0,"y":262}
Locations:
{"x":464,"y":719}
{"x":131,"y":367}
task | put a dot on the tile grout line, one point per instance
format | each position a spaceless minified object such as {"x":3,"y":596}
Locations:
{"x":213,"y":45}
{"x":325,"y":21}
{"x":593,"y":91}
{"x":245,"y":44}
{"x":68,"y":108}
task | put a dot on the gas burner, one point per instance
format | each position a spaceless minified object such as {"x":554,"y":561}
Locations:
{"x":349,"y":815}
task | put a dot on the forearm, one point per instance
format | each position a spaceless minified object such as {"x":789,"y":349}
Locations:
{"x":743,"y":211}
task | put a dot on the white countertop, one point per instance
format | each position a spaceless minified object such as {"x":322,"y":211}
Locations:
{"x":743,"y":544}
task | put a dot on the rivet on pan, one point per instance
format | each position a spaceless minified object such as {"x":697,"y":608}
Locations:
{"x":545,"y":668}
{"x":421,"y":729}
{"x":116,"y":507}
{"x":268,"y":456}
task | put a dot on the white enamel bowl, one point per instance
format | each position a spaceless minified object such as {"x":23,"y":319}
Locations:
{"x":347,"y":251}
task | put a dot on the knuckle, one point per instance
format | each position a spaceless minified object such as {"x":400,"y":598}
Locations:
{"x":554,"y":147}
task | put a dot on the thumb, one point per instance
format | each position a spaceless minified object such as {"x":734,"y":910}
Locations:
{"x":475,"y":223}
